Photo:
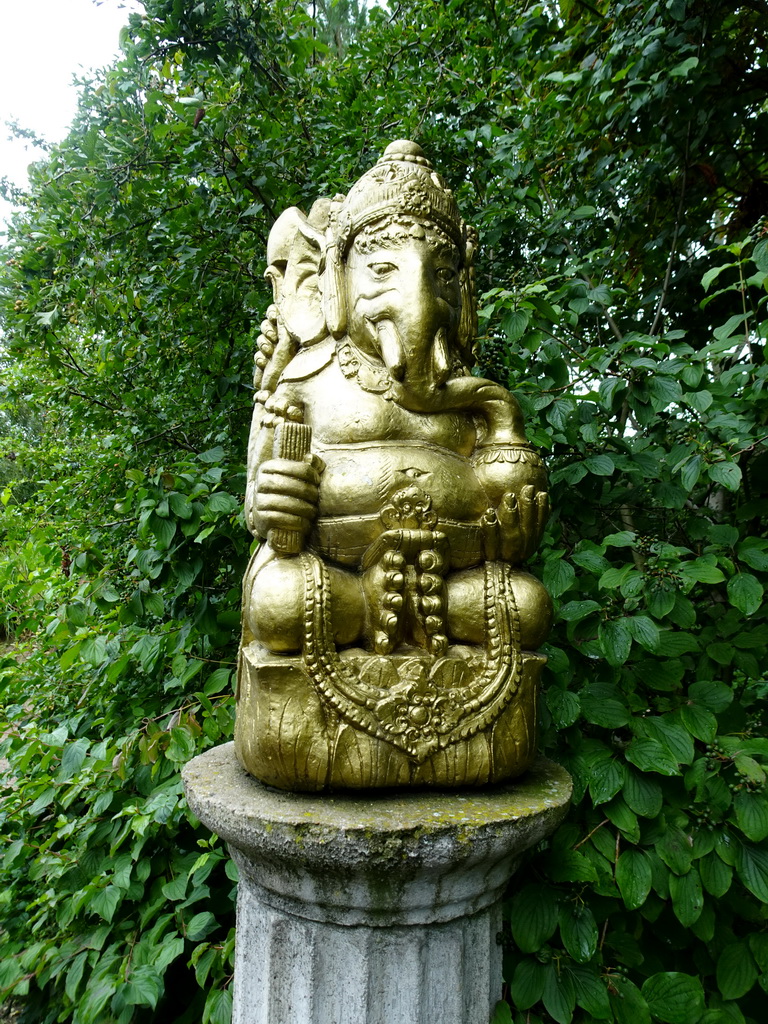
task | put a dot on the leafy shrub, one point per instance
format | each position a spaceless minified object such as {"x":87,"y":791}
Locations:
{"x":613,"y":158}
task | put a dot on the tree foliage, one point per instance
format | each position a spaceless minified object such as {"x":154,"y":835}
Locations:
{"x":613,"y":157}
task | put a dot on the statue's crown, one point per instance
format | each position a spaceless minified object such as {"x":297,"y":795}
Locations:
{"x":401,"y":182}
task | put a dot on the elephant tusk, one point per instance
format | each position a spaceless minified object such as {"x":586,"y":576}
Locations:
{"x":391,"y":348}
{"x":441,"y":366}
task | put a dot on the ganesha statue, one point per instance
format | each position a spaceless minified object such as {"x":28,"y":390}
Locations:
{"x":390,"y":628}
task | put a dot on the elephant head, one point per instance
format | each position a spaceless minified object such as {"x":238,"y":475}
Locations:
{"x":389,"y":267}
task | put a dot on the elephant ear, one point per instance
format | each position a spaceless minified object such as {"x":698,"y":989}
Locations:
{"x":468,"y":322}
{"x":296,"y":253}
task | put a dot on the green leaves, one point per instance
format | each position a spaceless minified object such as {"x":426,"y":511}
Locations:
{"x":674,"y":998}
{"x":558,"y":576}
{"x":745,"y":593}
{"x":615,"y":639}
{"x":736,"y":970}
{"x":752,"y":866}
{"x":130,"y":311}
{"x":533,"y":917}
{"x":578,"y":932}
{"x":633,"y":877}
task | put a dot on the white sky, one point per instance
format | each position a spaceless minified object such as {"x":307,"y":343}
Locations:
{"x":43,"y":43}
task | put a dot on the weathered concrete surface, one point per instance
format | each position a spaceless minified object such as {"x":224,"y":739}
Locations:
{"x":381,"y":909}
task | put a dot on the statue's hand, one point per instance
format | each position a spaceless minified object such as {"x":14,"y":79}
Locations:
{"x":287,"y":495}
{"x":521,"y":519}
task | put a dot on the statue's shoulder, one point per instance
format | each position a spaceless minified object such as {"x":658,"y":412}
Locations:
{"x":309,"y":362}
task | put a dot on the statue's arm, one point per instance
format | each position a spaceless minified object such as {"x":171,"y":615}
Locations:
{"x":513,"y":476}
{"x":282,"y":490}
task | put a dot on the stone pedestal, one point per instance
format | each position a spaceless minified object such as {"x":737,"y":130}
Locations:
{"x":376,"y":909}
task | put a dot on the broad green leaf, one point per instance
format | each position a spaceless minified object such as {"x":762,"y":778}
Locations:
{"x":672,"y":644}
{"x":575,"y":611}
{"x":726,"y":473}
{"x":502,"y":1014}
{"x":713,"y":696}
{"x":760,"y":255}
{"x":604,"y":711}
{"x":143,"y":986}
{"x":570,"y":866}
{"x":627,"y":1002}
{"x":559,"y":995}
{"x":681,"y":70}
{"x":591,"y":992}
{"x":675,"y":848}
{"x":218,"y":1007}
{"x":182,"y":745}
{"x":528,"y":983}
{"x":623,"y":539}
{"x":687,"y":897}
{"x":212,"y":455}
{"x":670,"y":732}
{"x":623,"y":818}
{"x":701,"y":571}
{"x":758,"y":944}
{"x":700,"y":401}
{"x":716,"y":876}
{"x":94,"y":650}
{"x":163,"y":530}
{"x":176,"y":889}
{"x":650,"y":756}
{"x":105,"y":901}
{"x":661,"y":601}
{"x":674,"y":998}
{"x":591,"y":561}
{"x":533,"y":917}
{"x":642,"y":793}
{"x":749,"y":767}
{"x":745,"y":592}
{"x":558,"y":576}
{"x":217,"y":681}
{"x":699,"y":722}
{"x":69,"y":657}
{"x":606,"y":779}
{"x":600,"y":465}
{"x":713,"y":273}
{"x":633,"y":877}
{"x":736,"y":970}
{"x":615,"y":641}
{"x":753,"y":555}
{"x":578,"y":931}
{"x":644,"y":631}
{"x":74,"y":974}
{"x":751,"y":811}
{"x":727,"y":329}
{"x":72,"y":758}
{"x":200,"y":926}
{"x":752,"y":868}
{"x":222,"y":502}
{"x":563,"y":706}
{"x":663,"y":391}
{"x":515,"y":323}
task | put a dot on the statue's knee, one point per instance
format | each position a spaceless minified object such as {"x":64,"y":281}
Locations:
{"x":467,"y":612}
{"x":535,"y":607}
{"x":275,"y":605}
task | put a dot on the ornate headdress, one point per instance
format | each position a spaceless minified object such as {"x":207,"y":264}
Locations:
{"x":402,"y":182}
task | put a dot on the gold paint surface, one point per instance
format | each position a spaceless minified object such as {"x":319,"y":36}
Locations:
{"x":389,"y":625}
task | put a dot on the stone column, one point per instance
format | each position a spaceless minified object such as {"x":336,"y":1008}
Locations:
{"x":373,"y":908}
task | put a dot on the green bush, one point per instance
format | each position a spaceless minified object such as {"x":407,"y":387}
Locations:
{"x":613,"y":158}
